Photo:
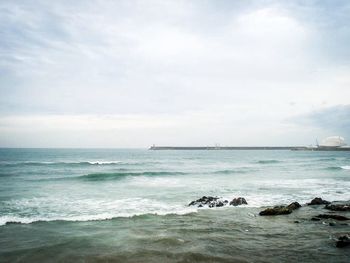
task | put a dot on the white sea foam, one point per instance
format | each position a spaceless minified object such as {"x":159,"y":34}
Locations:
{"x":88,"y":209}
{"x":346,"y":167}
{"x":104,"y":162}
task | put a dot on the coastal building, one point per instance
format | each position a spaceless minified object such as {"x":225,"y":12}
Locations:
{"x":332,"y":142}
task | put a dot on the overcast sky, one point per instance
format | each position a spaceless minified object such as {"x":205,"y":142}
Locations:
{"x":136,"y":73}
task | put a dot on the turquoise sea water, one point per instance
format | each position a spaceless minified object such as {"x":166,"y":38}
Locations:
{"x":131,"y":205}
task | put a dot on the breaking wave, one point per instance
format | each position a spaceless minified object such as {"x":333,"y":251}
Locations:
{"x":118,"y":175}
{"x":82,"y":163}
{"x":336,"y":168}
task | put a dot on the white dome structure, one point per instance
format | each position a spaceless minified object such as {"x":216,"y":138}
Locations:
{"x":333,"y":141}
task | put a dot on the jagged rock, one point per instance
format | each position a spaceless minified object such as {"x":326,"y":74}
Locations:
{"x":238,"y":201}
{"x":338,"y":206}
{"x":277,"y":210}
{"x":318,"y":201}
{"x":336,"y":217}
{"x":294,"y":205}
{"x":280,"y":210}
{"x":210,"y":201}
{"x":343,"y":241}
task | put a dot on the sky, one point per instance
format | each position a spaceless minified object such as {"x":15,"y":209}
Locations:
{"x":183,"y":73}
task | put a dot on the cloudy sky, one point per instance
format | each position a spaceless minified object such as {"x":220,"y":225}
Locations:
{"x":136,"y":73}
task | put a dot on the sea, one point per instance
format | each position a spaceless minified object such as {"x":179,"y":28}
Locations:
{"x":131,"y":205}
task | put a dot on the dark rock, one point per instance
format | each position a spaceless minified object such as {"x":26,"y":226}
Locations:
{"x":315,"y":219}
{"x":280,"y":210}
{"x":238,"y":201}
{"x":318,"y":201}
{"x":332,"y":224}
{"x":294,"y":205}
{"x":336,"y":217}
{"x":277,"y":210}
{"x":343,"y":241}
{"x":210,"y":201}
{"x":338,"y":206}
{"x":296,"y":222}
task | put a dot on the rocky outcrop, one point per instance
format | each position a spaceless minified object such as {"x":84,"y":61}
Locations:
{"x":336,"y":217}
{"x":211,"y":202}
{"x":294,"y":205}
{"x":205,"y":200}
{"x":343,"y":241}
{"x":318,"y":201}
{"x":238,"y":201}
{"x":338,"y":206}
{"x":280,"y":210}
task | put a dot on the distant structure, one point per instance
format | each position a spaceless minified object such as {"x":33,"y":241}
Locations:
{"x":332,"y":142}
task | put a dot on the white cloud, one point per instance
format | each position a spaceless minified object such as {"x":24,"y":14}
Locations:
{"x":177,"y":69}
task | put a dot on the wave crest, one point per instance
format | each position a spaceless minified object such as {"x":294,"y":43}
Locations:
{"x":118,"y":175}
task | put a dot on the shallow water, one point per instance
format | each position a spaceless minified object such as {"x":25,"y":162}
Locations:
{"x":131,"y":205}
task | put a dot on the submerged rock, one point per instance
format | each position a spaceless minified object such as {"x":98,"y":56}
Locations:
{"x":238,"y":201}
{"x":336,"y":217}
{"x":318,"y":201}
{"x":280,"y":210}
{"x":338,"y":206}
{"x":343,"y":241}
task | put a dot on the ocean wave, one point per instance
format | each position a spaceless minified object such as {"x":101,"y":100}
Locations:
{"x":78,"y":163}
{"x":233,"y":171}
{"x":268,"y":161}
{"x":327,"y":159}
{"x":336,"y":168}
{"x":11,"y":220}
{"x":118,"y":175}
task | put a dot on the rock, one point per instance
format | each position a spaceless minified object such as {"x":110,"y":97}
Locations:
{"x":296,"y":222}
{"x":338,"y":206}
{"x":318,"y":201}
{"x":280,"y":210}
{"x":336,"y":217}
{"x":332,"y":224}
{"x":343,"y":241}
{"x":210,"y":201}
{"x":277,"y":210}
{"x":294,"y":205}
{"x":238,"y":201}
